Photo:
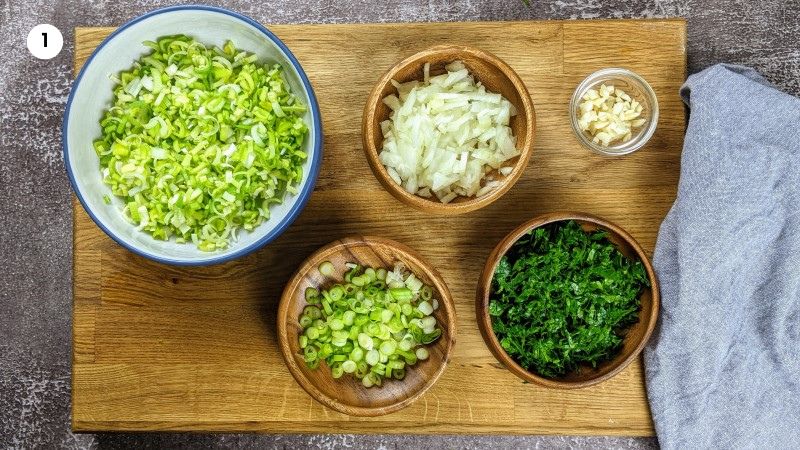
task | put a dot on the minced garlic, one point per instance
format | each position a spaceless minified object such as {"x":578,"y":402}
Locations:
{"x":609,"y":114}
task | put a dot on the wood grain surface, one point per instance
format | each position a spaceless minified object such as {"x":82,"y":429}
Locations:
{"x":168,"y":348}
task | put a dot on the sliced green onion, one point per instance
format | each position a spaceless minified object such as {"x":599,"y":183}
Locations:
{"x":426,"y":293}
{"x":406,"y":344}
{"x":428,"y":322}
{"x":396,"y":365}
{"x":336,"y":292}
{"x":425,"y":308}
{"x":367,"y":381}
{"x":337,"y":324}
{"x":310,"y":353}
{"x":373,"y":357}
{"x":372,"y":326}
{"x":326,"y":269}
{"x":365,"y":341}
{"x":357,"y":354}
{"x":349,"y":366}
{"x":388,"y":347}
{"x":413,"y":283}
{"x":401,"y":293}
{"x":312,"y":312}
{"x":311,"y":293}
{"x":337,"y":370}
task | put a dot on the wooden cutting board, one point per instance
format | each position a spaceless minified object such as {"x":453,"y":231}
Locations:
{"x":167,"y":348}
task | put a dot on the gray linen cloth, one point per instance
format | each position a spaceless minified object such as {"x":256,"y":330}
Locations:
{"x":723,"y":367}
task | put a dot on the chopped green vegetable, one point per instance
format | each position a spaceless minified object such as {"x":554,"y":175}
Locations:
{"x":326,"y":268}
{"x":366,"y":328}
{"x":199,"y":142}
{"x":562,"y":297}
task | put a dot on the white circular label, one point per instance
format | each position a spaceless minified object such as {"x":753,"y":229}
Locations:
{"x":45,"y":41}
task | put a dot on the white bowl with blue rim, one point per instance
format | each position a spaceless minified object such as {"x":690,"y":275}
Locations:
{"x":92,"y":94}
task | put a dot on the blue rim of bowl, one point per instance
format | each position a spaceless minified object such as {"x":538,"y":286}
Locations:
{"x":301,"y":200}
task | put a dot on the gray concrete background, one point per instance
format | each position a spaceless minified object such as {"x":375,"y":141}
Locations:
{"x":35,"y":218}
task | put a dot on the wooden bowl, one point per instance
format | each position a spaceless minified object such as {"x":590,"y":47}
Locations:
{"x":347,"y":394}
{"x":496,"y":75}
{"x":636,"y":336}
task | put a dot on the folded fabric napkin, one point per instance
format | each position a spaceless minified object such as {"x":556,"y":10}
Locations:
{"x":723,"y":367}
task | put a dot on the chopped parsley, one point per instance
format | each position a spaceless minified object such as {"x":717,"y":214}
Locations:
{"x":562,"y":298}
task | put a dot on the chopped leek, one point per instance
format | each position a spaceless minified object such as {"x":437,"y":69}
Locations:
{"x":199,"y":142}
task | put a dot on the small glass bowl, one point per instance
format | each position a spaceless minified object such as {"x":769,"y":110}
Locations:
{"x":633,"y":85}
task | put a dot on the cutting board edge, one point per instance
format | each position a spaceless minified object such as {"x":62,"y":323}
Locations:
{"x":333,"y":426}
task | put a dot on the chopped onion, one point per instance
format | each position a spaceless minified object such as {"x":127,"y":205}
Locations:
{"x":446,"y":134}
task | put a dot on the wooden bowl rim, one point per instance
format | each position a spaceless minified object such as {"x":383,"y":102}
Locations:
{"x":472,"y":203}
{"x":484,"y":288}
{"x":408,"y":254}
